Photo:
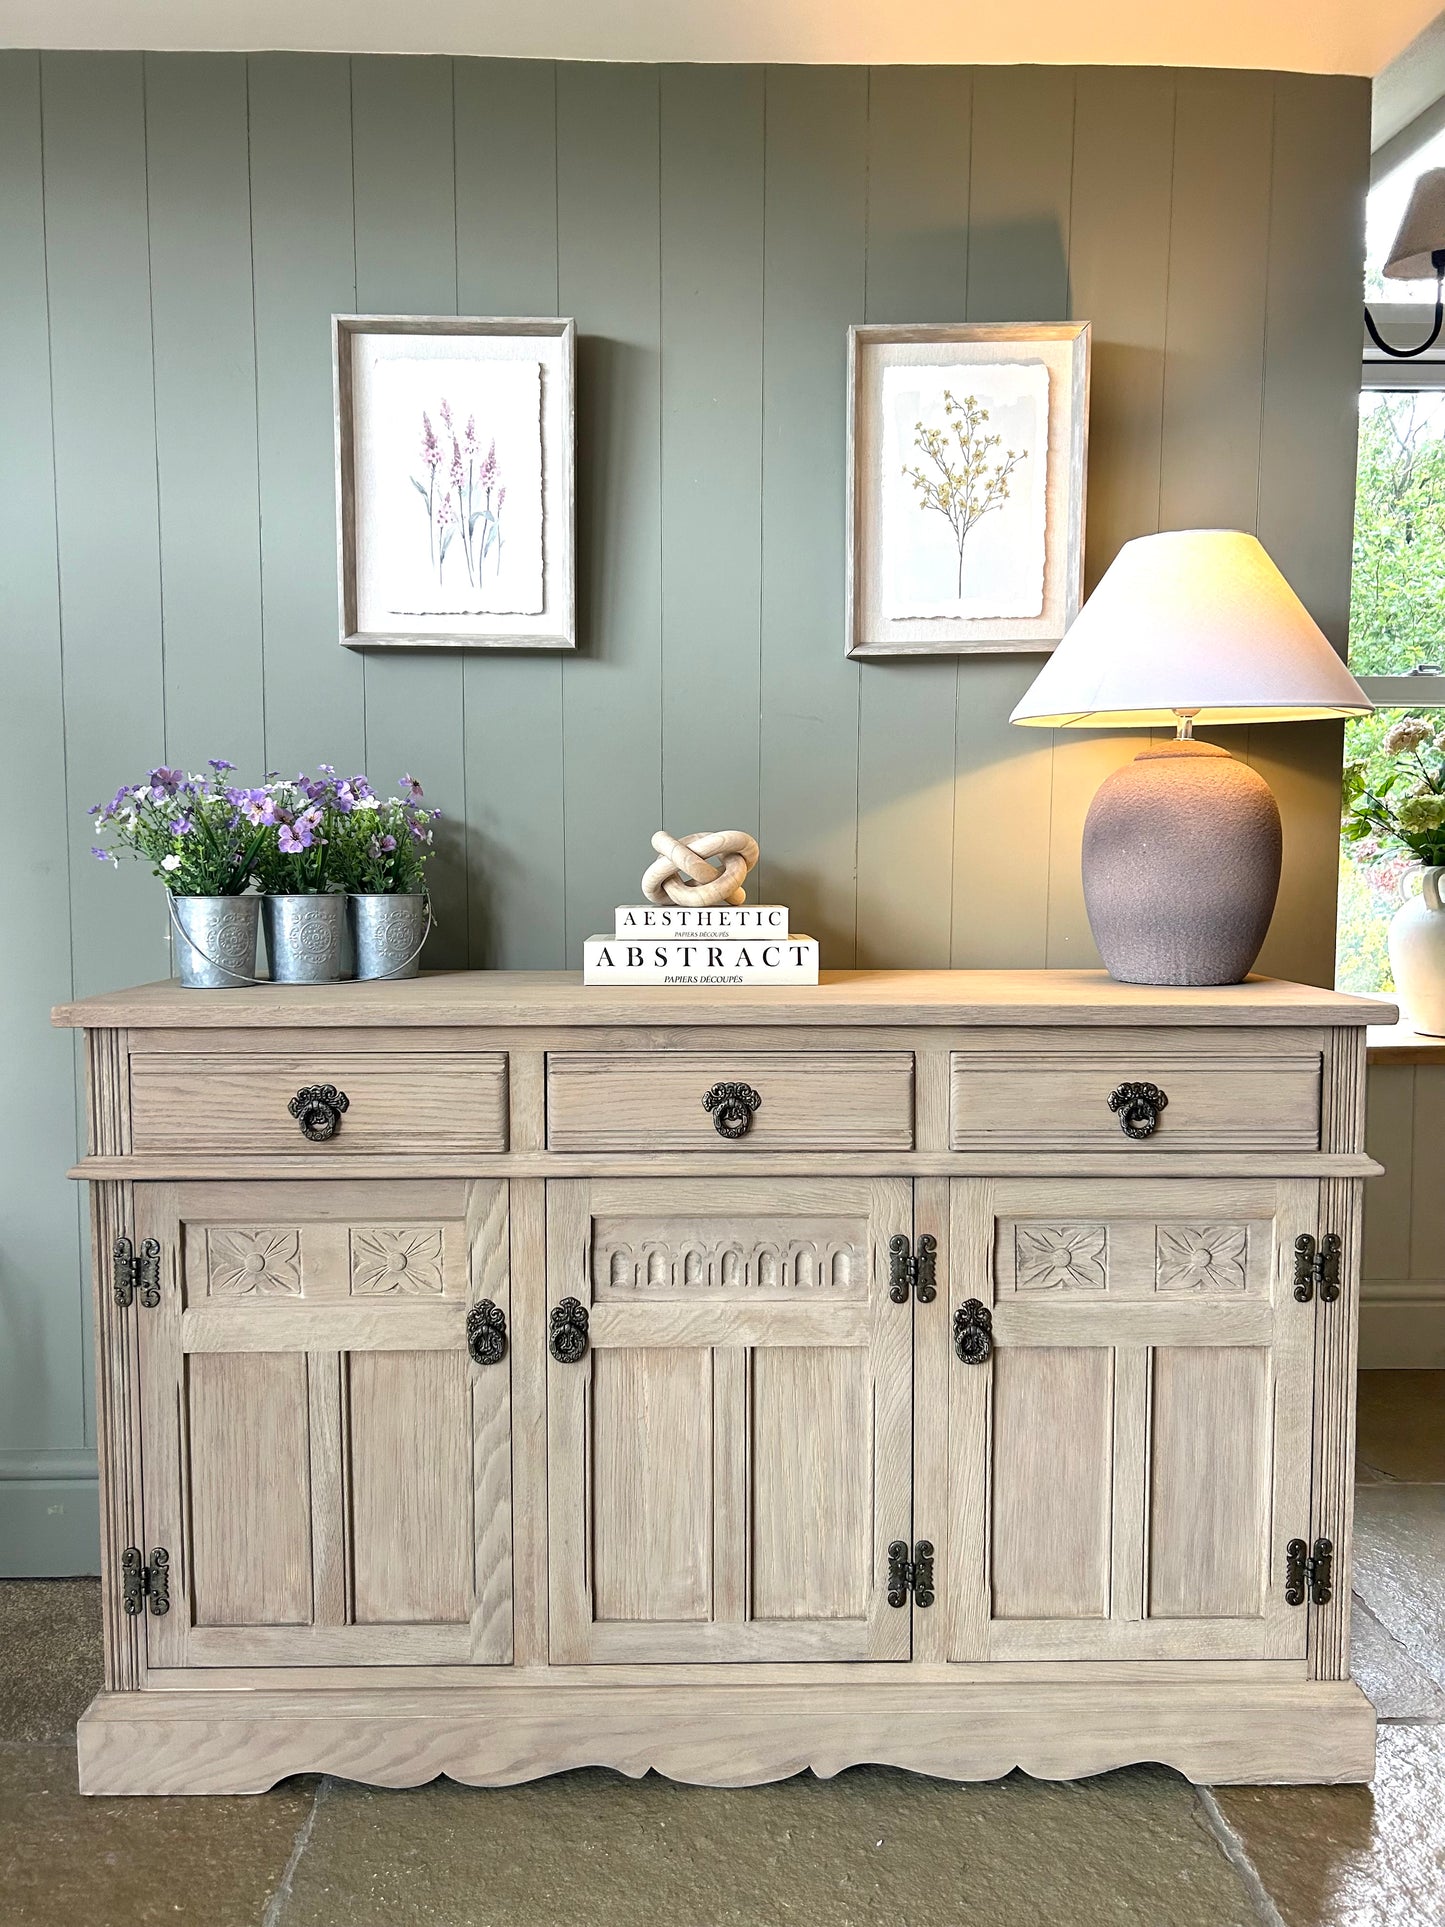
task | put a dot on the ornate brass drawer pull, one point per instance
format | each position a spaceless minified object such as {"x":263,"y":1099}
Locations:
{"x":973,"y":1332}
{"x":487,"y":1332}
{"x":567,"y":1340}
{"x":1138,"y":1106}
{"x":732,"y":1107}
{"x":317,"y":1109}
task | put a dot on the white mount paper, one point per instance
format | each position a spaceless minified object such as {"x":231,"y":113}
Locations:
{"x":996,"y":567}
{"x":449,"y":488}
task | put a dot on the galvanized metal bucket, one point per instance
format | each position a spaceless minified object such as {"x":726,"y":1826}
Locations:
{"x":388,"y":933}
{"x":215,"y":941}
{"x":304,"y":937}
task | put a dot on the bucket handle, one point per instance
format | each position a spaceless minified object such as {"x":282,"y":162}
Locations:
{"x":382,"y":975}
{"x":239,"y":976}
{"x":242,"y":978}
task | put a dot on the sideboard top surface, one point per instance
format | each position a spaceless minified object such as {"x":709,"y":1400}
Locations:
{"x":872,"y":997}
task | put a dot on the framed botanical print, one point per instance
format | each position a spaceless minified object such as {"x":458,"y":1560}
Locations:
{"x":455,"y":482}
{"x":966,"y":447}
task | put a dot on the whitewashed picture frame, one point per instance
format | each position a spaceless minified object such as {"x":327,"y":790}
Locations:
{"x":966,"y":459}
{"x":455,"y":481}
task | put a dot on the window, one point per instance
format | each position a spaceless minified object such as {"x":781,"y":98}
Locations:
{"x":1397,"y":590}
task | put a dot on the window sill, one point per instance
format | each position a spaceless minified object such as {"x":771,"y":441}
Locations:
{"x":1394,"y":1044}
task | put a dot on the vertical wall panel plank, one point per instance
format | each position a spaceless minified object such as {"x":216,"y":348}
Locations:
{"x":506,"y":138}
{"x":712,"y":360}
{"x":610,"y":278}
{"x":917,"y":270}
{"x":404,"y":181}
{"x":813,"y":280}
{"x":1219,"y":240}
{"x":105,"y":484}
{"x":41,"y":1374}
{"x":205,"y":385}
{"x":1018,"y":245}
{"x":1310,"y":417}
{"x":1119,"y":281}
{"x":305,"y":271}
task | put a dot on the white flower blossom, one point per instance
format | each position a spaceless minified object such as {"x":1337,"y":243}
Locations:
{"x":172,"y":862}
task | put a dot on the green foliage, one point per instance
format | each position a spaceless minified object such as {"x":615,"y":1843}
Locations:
{"x":1397,"y":590}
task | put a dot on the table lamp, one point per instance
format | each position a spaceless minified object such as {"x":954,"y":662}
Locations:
{"x":1182,"y":846}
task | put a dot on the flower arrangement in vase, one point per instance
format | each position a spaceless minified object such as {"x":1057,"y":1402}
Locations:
{"x":323,"y":853}
{"x":196,"y":836}
{"x":384,"y":847}
{"x":1403,"y":812}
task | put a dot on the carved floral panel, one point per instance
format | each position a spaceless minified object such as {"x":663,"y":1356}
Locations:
{"x":1201,"y":1257}
{"x":403,"y":1261}
{"x":1061,"y":1257}
{"x":262,"y":1261}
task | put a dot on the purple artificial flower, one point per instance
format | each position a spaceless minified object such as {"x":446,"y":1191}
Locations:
{"x":361,"y":789}
{"x":220,"y":765}
{"x":327,"y":769}
{"x":165,"y":782}
{"x":414,"y":791}
{"x":182,"y":826}
{"x":258,"y":806}
{"x":382,"y":845}
{"x":100,"y":855}
{"x":431,"y":454}
{"x":345,"y":798}
{"x":293,"y":838}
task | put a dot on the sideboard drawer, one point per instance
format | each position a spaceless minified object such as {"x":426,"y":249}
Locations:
{"x":1256,"y":1100}
{"x":395,"y":1102}
{"x":808,"y":1101}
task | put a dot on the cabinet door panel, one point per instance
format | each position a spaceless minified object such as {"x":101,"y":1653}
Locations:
{"x":730,"y":1459}
{"x":1128,"y":1467}
{"x":1051,"y":1514}
{"x":251,"y":1526}
{"x":327,"y":1468}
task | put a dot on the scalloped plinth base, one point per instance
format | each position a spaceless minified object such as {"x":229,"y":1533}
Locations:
{"x":225,"y":1741}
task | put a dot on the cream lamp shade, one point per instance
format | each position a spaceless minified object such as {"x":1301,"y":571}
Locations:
{"x":1198,"y":623}
{"x":1422,"y":232}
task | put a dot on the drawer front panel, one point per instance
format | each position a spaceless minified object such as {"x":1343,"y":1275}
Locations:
{"x":810,"y":1100}
{"x":394,"y":1102}
{"x":1265,"y":1101}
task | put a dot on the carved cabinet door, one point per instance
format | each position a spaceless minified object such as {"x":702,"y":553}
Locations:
{"x":729,"y":1419}
{"x":323,"y":1459}
{"x":1132,"y":1458}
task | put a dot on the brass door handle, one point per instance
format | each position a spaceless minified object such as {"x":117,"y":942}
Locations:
{"x":731,"y":1107}
{"x":1138,"y":1107}
{"x":486,"y":1332}
{"x":317,"y":1108}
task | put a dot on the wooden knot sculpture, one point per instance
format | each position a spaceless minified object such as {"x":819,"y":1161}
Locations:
{"x":685,"y":875}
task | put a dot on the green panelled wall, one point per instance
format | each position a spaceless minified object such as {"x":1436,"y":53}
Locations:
{"x":175,"y":231}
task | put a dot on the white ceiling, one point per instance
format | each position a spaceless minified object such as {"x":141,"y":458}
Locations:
{"x":1308,"y":36}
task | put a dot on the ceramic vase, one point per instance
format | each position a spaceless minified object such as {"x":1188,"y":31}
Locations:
{"x":304,"y":937}
{"x":1417,"y":956}
{"x":215,"y":941}
{"x":388,"y":932}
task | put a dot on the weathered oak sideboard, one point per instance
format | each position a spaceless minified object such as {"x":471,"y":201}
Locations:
{"x":947,"y":1369}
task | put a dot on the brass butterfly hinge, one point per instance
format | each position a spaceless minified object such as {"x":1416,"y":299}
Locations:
{"x":136,"y":1273}
{"x":915,"y":1272}
{"x":1317,"y":1266}
{"x":1309,"y":1567}
{"x":144,"y":1585}
{"x":910,"y":1575}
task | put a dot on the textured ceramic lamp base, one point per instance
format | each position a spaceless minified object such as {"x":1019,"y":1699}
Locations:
{"x":1181,"y":866}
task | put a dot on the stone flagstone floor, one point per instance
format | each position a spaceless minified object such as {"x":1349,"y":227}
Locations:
{"x":1139,"y":1848}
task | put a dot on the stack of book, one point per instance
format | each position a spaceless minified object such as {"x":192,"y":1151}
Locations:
{"x":660,"y":943}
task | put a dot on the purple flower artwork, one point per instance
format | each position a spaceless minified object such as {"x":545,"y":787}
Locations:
{"x":452,"y":485}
